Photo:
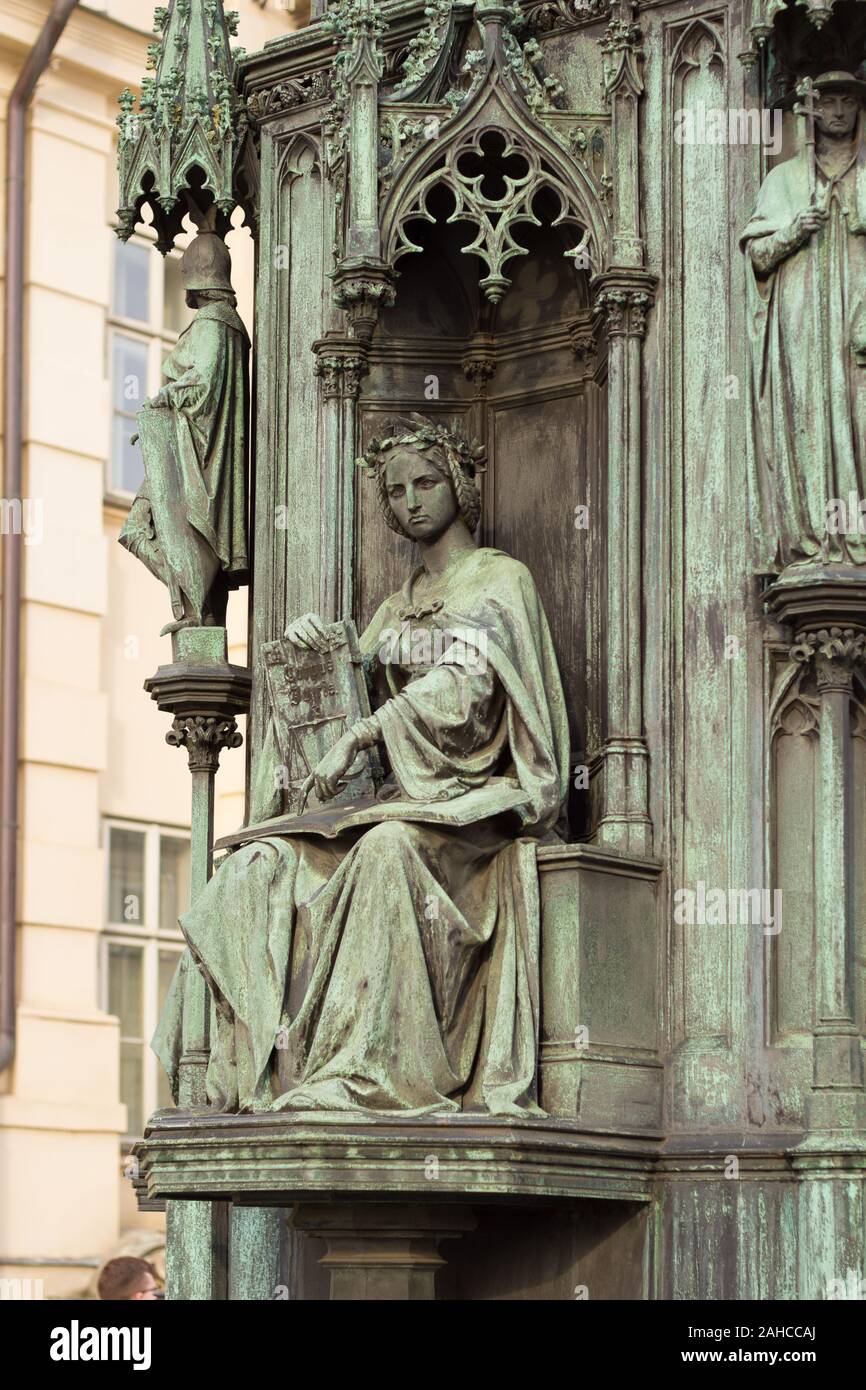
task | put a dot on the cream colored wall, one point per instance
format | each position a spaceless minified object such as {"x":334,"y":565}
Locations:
{"x":92,"y":743}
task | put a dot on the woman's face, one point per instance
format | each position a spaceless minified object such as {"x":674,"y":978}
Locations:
{"x":421,"y":498}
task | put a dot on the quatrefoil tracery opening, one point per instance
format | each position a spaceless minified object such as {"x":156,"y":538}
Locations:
{"x":495,"y":181}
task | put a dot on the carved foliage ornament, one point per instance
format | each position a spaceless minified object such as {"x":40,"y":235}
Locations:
{"x":622,"y":50}
{"x":626,"y":311}
{"x":204,"y":737}
{"x":425,"y":51}
{"x":547,"y":16}
{"x":315,"y":86}
{"x":836,"y":651}
{"x":340,"y":372}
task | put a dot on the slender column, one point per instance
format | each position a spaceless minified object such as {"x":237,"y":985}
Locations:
{"x":622,"y":56}
{"x":623,"y":298}
{"x":837,"y":1100}
{"x":340,"y":365}
{"x":479,"y":367}
{"x":203,"y":693}
{"x":363,"y":283}
{"x":364,"y":72}
{"x":254,"y":1244}
{"x":623,"y":294}
{"x":197,"y":1251}
{"x":203,"y":736}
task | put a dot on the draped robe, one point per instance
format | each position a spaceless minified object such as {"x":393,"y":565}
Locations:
{"x":807,"y":334}
{"x":188,"y":520}
{"x":396,"y":969}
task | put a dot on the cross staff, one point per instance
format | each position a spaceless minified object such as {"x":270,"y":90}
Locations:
{"x":806,"y":107}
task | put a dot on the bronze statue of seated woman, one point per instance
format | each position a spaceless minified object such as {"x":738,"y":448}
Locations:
{"x":395,"y":969}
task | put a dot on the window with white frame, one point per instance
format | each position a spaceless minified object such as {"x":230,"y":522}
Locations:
{"x":148,"y":312}
{"x":147,"y":890}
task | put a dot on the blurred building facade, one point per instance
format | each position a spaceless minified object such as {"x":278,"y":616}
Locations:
{"x":104,"y":801}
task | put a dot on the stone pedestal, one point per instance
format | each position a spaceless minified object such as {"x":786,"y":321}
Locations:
{"x":387,"y":1252}
{"x":384,"y":1194}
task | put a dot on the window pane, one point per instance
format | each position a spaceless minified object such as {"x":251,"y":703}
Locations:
{"x":168,"y":962}
{"x":131,"y":1087}
{"x":126,"y":875}
{"x":132,"y":281}
{"x":129,"y":367}
{"x":175,"y":314}
{"x":125,"y":988}
{"x":173,"y":880}
{"x":129,"y":374}
{"x":127,"y":465}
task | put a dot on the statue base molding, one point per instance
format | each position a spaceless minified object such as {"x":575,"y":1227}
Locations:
{"x":276,"y":1159}
{"x":804,"y":596}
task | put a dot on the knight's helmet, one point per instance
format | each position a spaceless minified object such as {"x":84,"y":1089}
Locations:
{"x":206,"y":264}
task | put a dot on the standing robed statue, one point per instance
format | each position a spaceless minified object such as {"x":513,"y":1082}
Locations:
{"x":188,"y":521}
{"x":805,"y":250}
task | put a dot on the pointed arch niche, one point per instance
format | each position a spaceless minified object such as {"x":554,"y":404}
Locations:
{"x":493,"y":326}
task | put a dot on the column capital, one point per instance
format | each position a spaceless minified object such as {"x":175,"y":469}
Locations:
{"x":363,"y":288}
{"x":340,"y":365}
{"x":623,"y":297}
{"x":204,"y":696}
{"x":479,"y":366}
{"x":204,"y":737}
{"x":837,"y":652}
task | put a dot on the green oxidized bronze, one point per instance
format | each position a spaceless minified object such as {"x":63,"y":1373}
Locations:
{"x":397,"y":970}
{"x":806,"y":249}
{"x":188,"y":522}
{"x":177,"y":153}
{"x":416,"y":941}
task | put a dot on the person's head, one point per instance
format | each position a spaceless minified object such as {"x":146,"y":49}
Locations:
{"x":838,"y":103}
{"x":206,"y":271}
{"x":425,"y":478}
{"x":128,"y":1278}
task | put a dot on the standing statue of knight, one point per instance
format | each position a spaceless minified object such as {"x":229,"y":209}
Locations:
{"x":188,"y":521}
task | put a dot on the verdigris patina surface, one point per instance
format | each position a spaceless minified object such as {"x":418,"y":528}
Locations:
{"x":188,"y":522}
{"x":397,"y":970}
{"x":806,"y":249}
{"x":598,"y":334}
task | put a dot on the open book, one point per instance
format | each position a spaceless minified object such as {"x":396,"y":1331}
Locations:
{"x":498,"y":795}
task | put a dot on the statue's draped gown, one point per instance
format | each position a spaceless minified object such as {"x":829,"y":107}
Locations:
{"x":189,"y":516}
{"x":396,"y":969}
{"x":807,"y":327}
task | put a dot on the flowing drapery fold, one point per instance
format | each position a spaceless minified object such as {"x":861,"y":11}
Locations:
{"x":396,"y":969}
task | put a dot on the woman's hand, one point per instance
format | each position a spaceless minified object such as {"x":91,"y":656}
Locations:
{"x":325,"y":777}
{"x":308,"y":632}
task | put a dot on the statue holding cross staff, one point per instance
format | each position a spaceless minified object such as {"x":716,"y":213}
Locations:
{"x":805,"y":249}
